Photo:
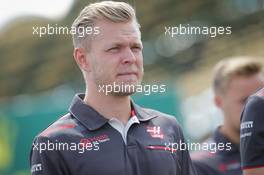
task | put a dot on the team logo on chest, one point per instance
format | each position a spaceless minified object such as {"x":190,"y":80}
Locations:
{"x":155,"y":132}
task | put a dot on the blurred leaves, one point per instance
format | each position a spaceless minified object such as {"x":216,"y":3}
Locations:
{"x":7,"y":137}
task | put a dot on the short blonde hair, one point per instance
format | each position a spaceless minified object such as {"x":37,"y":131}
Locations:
{"x":106,"y":10}
{"x":227,"y":69}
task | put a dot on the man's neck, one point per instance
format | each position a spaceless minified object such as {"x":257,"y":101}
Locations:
{"x":230,"y":134}
{"x":109,"y":106}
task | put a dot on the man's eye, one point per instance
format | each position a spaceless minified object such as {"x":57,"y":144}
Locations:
{"x":136,"y":48}
{"x":113,"y":49}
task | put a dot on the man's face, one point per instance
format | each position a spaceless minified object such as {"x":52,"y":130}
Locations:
{"x":235,"y":95}
{"x":116,"y":55}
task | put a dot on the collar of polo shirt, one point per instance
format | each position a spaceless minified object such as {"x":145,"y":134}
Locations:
{"x":121,"y":128}
{"x":92,"y":120}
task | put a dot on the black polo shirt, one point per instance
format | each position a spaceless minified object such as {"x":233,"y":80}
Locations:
{"x":84,"y":142}
{"x":252,"y":132}
{"x":221,"y":162}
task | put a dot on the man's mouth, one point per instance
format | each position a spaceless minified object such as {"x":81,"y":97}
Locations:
{"x":127,"y":74}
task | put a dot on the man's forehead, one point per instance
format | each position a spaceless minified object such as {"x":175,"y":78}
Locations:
{"x":109,"y":29}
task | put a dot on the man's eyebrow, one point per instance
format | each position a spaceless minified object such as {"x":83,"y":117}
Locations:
{"x":120,"y":44}
{"x":137,"y":44}
{"x":113,"y":44}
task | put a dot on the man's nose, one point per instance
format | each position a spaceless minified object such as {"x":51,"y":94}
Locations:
{"x":128,"y":56}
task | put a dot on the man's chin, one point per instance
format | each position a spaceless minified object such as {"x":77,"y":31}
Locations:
{"x":122,"y":94}
{"x":127,"y":82}
{"x":124,"y":88}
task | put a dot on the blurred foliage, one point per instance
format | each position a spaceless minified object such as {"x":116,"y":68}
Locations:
{"x":7,"y":138}
{"x":30,"y":64}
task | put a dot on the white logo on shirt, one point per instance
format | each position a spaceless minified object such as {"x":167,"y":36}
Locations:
{"x":155,"y":132}
{"x":36,"y":167}
{"x":246,"y":125}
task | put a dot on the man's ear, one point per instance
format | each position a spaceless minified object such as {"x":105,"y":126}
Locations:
{"x":81,"y":59}
{"x":218,"y":101}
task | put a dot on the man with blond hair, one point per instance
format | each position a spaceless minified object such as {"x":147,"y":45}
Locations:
{"x":107,"y":133}
{"x":234,"y":80}
{"x":252,"y":135}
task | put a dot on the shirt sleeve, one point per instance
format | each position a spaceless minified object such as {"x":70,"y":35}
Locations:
{"x":45,"y":159}
{"x":186,"y":164}
{"x":188,"y":167}
{"x":252,"y":133}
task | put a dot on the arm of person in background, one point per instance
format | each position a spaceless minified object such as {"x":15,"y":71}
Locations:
{"x":203,"y":164}
{"x":252,"y":136}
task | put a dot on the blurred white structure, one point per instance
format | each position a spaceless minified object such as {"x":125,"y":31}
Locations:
{"x":201,"y":115}
{"x":44,"y":8}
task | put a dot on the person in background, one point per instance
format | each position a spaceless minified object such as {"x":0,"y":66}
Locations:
{"x":234,"y":80}
{"x":252,"y":135}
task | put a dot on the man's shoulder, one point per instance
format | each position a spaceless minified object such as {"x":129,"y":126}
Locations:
{"x":258,"y":95}
{"x":214,"y":161}
{"x":206,"y":161}
{"x":254,"y":106}
{"x":65,"y":125}
{"x":205,"y":155}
